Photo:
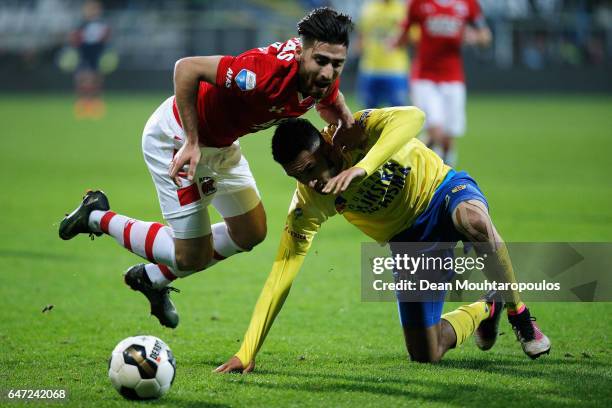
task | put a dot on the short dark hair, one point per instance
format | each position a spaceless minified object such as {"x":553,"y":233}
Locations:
{"x":327,"y":25}
{"x":293,"y":136}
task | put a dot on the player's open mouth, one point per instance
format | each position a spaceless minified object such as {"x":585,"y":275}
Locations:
{"x":322,"y":85}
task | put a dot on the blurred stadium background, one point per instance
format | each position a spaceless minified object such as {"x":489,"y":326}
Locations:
{"x":545,"y":45}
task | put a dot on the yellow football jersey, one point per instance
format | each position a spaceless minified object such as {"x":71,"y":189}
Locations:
{"x":398,"y":186}
{"x":402,"y":175}
{"x":379,"y":24}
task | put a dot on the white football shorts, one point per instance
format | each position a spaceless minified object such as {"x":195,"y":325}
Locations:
{"x":443,"y":104}
{"x":223,"y":178}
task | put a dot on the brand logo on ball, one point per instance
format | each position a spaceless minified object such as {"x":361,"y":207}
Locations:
{"x":156,"y":350}
{"x":208,"y":186}
{"x":246,"y":80}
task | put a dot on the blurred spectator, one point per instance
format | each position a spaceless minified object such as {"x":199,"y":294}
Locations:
{"x":534,"y":52}
{"x":90,"y":39}
{"x":595,"y":51}
{"x":569,"y":51}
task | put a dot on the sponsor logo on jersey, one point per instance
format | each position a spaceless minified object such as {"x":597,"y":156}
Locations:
{"x":294,"y":234}
{"x":207,"y":186}
{"x":246,"y":80}
{"x":378,"y":191}
{"x":459,"y":188}
{"x":443,"y":26}
{"x":228,"y":78}
{"x":274,"y":109}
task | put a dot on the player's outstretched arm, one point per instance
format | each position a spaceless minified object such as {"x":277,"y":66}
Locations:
{"x":296,"y":239}
{"x":270,"y":302}
{"x":188,"y":72}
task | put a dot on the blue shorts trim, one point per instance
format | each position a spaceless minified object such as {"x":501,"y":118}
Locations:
{"x":435,"y":224}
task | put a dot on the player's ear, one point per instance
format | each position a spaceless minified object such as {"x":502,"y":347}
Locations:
{"x":298,"y":53}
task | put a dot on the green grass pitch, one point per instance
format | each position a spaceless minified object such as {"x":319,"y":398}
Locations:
{"x":544,"y":163}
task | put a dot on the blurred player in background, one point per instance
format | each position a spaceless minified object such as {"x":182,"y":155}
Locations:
{"x":383,"y":69}
{"x":90,"y":39}
{"x":437,"y":78}
{"x":394,"y":189}
{"x":190,"y":147}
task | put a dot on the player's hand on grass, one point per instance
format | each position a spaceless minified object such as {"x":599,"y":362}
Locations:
{"x":234,"y":365}
{"x":343,"y":180}
{"x":188,"y":154}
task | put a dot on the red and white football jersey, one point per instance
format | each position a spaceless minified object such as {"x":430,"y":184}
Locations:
{"x":442,"y":23}
{"x":253,"y":91}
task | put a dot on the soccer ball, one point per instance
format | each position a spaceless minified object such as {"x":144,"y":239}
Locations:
{"x":142,"y":367}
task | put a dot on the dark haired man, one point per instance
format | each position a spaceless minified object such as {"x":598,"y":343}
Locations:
{"x":190,"y":147}
{"x":394,"y":189}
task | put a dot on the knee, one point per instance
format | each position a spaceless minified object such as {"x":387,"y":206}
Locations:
{"x":425,"y":357}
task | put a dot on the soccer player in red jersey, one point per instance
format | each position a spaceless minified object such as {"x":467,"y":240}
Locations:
{"x":190,"y":147}
{"x":437,"y":78}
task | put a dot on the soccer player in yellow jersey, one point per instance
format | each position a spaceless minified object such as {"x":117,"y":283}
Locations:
{"x":393,"y":188}
{"x":383,"y":69}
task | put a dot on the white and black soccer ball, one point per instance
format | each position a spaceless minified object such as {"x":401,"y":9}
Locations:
{"x":142,"y":367}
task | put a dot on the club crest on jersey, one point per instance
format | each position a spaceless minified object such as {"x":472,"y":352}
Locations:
{"x":363,"y":117}
{"x":208,"y":186}
{"x":246,"y":80}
